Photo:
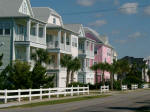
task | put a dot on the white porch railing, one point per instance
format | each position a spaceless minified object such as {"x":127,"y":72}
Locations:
{"x":20,"y":38}
{"x":68,"y":48}
{"x":30,"y":93}
{"x":134,"y":86}
{"x":104,"y":89}
{"x":124,"y":87}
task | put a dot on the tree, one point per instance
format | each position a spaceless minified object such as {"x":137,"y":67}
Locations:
{"x":148,"y":73}
{"x":75,"y":66}
{"x":95,"y":68}
{"x":123,"y":69}
{"x":66,"y":62}
{"x":17,"y":76}
{"x":41,"y":56}
{"x":103,"y":67}
{"x":112,"y":68}
{"x":40,"y":78}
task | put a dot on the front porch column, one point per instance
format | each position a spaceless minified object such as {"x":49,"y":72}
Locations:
{"x":28,"y":30}
{"x":37,"y":30}
{"x":59,"y":38}
{"x":28,"y":53}
{"x":65,"y":40}
{"x":58,"y":60}
{"x":44,"y":33}
{"x":85,"y":46}
{"x":85,"y":64}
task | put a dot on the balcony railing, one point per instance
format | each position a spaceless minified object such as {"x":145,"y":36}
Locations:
{"x":52,"y":45}
{"x":20,"y":38}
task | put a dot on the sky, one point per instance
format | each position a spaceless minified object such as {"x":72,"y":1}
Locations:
{"x":125,"y":22}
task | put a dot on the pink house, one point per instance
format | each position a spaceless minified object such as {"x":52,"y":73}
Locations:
{"x":103,"y":50}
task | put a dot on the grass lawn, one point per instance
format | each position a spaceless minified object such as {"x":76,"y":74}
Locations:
{"x":58,"y":101}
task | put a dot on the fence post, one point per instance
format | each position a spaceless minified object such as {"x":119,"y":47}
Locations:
{"x":57,"y":93}
{"x":65,"y":91}
{"x":40,"y":93}
{"x":5,"y":95}
{"x":78,"y":90}
{"x":72,"y":90}
{"x":19,"y":94}
{"x":49,"y":93}
{"x":88,"y":90}
{"x":83,"y":90}
{"x":30,"y":93}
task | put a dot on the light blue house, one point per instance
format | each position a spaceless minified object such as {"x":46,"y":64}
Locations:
{"x":20,"y":32}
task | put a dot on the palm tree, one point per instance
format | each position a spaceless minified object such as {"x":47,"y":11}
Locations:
{"x":148,"y":73}
{"x":123,"y":69}
{"x":95,"y":68}
{"x":66,"y":61}
{"x":1,"y":57}
{"x":41,"y":56}
{"x":112,"y":68}
{"x":75,"y":66}
{"x":103,"y":67}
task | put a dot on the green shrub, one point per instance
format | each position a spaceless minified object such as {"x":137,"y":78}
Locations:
{"x":117,"y":85}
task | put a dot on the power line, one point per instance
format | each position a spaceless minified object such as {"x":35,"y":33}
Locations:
{"x":102,"y":10}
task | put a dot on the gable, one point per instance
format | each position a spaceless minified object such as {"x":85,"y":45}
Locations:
{"x":25,"y":8}
{"x":54,"y":20}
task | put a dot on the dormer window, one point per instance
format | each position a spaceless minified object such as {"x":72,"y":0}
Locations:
{"x":54,"y":20}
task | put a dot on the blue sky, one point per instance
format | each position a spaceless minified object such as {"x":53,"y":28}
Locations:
{"x":126,"y":22}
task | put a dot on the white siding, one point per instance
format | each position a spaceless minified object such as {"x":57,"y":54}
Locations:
{"x":50,"y":20}
{"x":24,"y":8}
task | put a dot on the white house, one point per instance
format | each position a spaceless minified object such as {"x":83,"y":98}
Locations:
{"x":60,"y":40}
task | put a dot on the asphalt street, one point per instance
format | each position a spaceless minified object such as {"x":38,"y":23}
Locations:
{"x":130,"y":102}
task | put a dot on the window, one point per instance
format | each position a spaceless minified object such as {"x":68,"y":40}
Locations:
{"x":49,"y":38}
{"x":33,"y":31}
{"x":1,"y":31}
{"x":7,"y":31}
{"x":67,"y":41}
{"x":40,"y":32}
{"x":54,"y":20}
{"x":62,"y":39}
{"x":20,"y":29}
{"x":74,"y":42}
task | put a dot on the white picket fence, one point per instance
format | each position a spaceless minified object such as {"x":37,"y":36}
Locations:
{"x":124,"y":87}
{"x":145,"y":86}
{"x":134,"y":86}
{"x":30,"y":93}
{"x":104,"y":89}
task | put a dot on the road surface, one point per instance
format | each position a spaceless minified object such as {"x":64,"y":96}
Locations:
{"x":130,"y":102}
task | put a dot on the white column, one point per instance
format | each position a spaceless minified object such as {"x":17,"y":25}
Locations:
{"x":28,"y":53}
{"x":28,"y":30}
{"x":59,"y":38}
{"x":85,"y":46}
{"x":58,"y":60}
{"x":44,"y":33}
{"x":65,"y":40}
{"x":37,"y":29}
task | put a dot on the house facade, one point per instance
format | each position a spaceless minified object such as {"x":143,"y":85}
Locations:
{"x":103,"y":51}
{"x":20,"y":32}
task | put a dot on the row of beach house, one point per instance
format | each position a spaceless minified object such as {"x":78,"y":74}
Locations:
{"x":23,"y":29}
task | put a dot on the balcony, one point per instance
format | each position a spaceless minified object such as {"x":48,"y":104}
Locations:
{"x":20,"y":38}
{"x":54,"y":45}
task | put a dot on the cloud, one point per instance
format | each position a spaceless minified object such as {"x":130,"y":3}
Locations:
{"x":129,"y":8}
{"x":147,"y":10}
{"x":98,"y":23}
{"x":86,"y":3}
{"x":135,"y":35}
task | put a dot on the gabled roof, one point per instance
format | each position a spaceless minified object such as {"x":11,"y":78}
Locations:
{"x":43,"y":13}
{"x":10,"y":8}
{"x":73,"y":27}
{"x":92,"y":34}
